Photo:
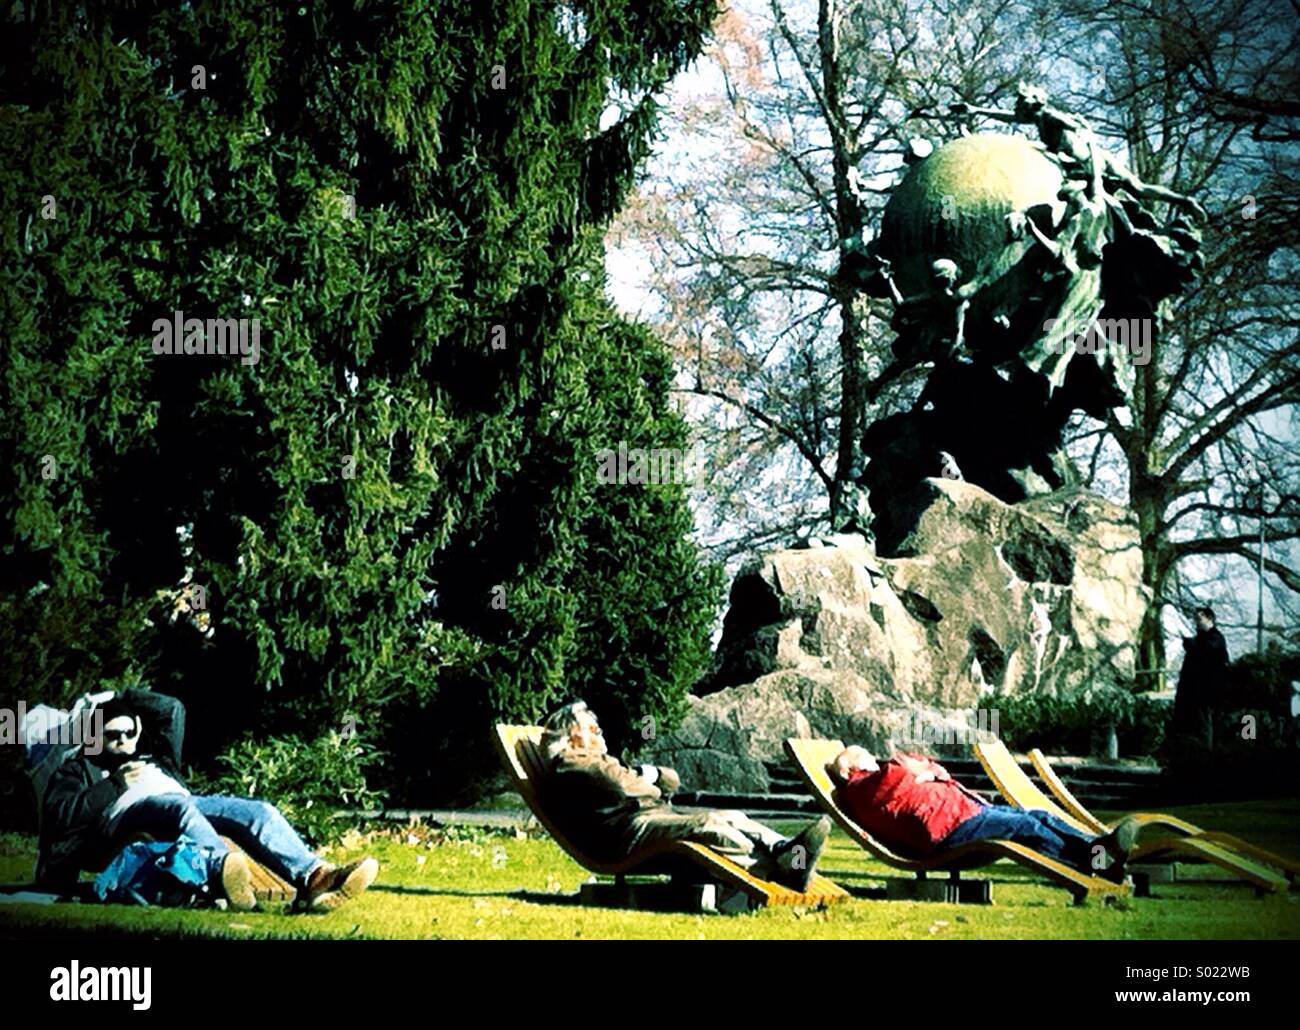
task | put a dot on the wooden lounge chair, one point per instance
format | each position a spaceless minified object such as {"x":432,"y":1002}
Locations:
{"x":1015,"y":785}
{"x":268,"y":887}
{"x":1289,"y":867}
{"x":520,"y":748}
{"x":811,"y":757}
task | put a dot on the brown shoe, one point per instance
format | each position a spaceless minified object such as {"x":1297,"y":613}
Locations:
{"x":330,"y":886}
{"x":237,"y":882}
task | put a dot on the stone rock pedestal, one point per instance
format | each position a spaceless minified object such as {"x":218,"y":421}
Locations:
{"x":981,"y":599}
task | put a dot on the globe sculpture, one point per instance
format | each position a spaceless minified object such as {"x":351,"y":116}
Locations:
{"x":1031,"y":277}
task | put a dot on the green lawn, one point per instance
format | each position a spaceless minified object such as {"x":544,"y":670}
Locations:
{"x":494,"y":885}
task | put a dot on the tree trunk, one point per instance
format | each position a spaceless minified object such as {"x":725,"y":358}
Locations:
{"x":1156,"y":566}
{"x":1149,"y":498}
{"x":849,"y":512}
{"x":848,"y":501}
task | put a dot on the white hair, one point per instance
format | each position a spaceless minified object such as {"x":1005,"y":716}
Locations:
{"x":846,"y":761}
{"x":559,"y":727}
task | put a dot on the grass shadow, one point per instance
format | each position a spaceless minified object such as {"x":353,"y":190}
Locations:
{"x":519,"y":894}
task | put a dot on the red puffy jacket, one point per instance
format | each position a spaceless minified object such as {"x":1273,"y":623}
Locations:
{"x":904,"y":813}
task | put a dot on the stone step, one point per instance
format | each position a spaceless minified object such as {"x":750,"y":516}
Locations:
{"x":783,"y":819}
{"x":745,"y":802}
{"x":1096,"y":771}
{"x":784,"y":778}
{"x":1096,"y":784}
{"x":1084,"y":774}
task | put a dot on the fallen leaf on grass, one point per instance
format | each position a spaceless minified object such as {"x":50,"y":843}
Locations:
{"x":352,"y":840}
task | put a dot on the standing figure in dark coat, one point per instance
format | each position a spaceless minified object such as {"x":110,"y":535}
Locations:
{"x":1201,"y":682}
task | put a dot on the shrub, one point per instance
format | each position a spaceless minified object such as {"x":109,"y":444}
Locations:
{"x":1033,"y":720}
{"x":1075,"y":725}
{"x":1262,"y":682}
{"x":1144,"y":733}
{"x":307,"y":781}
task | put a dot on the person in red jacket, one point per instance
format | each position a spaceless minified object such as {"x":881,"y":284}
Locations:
{"x":911,"y":804}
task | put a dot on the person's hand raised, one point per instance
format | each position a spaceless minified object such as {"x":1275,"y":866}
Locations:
{"x":132,"y":772}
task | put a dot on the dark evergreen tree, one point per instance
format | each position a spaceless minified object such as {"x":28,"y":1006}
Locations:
{"x":393,"y":514}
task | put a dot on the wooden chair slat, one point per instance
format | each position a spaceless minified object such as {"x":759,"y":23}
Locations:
{"x":268,"y":887}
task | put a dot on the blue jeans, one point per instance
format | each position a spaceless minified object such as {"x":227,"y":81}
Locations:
{"x":1054,"y":837}
{"x":256,"y":826}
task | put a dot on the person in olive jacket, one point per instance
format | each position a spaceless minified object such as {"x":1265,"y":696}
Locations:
{"x":613,"y":811}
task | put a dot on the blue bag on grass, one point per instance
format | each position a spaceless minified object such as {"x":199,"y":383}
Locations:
{"x":175,"y":874}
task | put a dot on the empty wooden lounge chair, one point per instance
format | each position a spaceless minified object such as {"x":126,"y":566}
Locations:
{"x":1015,"y":785}
{"x":520,"y":748}
{"x":1289,"y":867}
{"x":811,"y":758}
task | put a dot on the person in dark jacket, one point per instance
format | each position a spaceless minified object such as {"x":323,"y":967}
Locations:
{"x":1200,"y":682}
{"x":911,"y":804}
{"x":129,"y":784}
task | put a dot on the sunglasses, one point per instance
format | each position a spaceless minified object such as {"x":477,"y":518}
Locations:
{"x":134,"y":731}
